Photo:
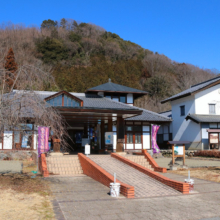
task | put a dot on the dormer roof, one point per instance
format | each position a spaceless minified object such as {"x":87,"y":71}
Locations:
{"x":113,"y":87}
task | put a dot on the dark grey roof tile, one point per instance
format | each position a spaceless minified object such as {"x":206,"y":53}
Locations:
{"x":113,"y":87}
{"x":192,"y":89}
{"x":203,"y":118}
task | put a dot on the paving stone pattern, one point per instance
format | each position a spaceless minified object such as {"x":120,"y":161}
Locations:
{"x":144,"y":185}
{"x":64,"y":165}
{"x":141,"y":160}
{"x":84,"y":198}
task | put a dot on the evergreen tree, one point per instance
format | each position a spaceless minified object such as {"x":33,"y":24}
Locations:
{"x":11,"y":67}
{"x":63,"y":23}
{"x":49,"y":24}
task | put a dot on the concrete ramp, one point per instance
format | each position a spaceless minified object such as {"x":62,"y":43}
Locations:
{"x":144,"y":186}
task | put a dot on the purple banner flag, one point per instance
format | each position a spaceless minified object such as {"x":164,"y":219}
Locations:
{"x":43,"y":136}
{"x":155,"y":147}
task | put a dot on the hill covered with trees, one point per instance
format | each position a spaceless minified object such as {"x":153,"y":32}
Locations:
{"x":81,"y":55}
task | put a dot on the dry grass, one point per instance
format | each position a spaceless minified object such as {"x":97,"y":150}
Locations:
{"x":211,"y":173}
{"x":28,"y":166}
{"x":23,"y":197}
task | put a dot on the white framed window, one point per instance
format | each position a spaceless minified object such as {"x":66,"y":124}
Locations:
{"x":212,"y":109}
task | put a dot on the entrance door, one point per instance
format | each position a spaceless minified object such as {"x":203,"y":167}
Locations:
{"x":75,"y":140}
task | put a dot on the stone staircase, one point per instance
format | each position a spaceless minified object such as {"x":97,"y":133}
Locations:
{"x":139,"y":159}
{"x":67,"y":165}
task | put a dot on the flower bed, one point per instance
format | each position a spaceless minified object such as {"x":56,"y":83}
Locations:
{"x":207,"y":153}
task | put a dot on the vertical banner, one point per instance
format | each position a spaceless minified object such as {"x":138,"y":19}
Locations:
{"x":43,"y":136}
{"x":155,"y":147}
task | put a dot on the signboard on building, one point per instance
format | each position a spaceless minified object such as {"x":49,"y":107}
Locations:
{"x":178,"y":150}
{"x":43,"y":136}
{"x":213,"y":138}
{"x":108,"y":137}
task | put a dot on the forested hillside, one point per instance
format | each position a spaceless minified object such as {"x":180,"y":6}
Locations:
{"x":82,"y":55}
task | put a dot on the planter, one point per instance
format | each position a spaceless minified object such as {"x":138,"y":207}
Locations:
{"x":114,"y":189}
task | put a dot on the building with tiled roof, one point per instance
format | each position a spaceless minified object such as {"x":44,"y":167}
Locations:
{"x":195,"y":116}
{"x":105,"y":108}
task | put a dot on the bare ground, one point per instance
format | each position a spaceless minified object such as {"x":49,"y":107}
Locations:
{"x":210,"y":173}
{"x":23,"y":197}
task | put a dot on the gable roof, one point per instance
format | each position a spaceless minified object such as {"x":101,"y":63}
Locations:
{"x":113,"y":87}
{"x":194,"y":89}
{"x":67,"y":94}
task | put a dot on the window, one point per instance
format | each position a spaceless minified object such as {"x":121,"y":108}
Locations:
{"x":63,"y":100}
{"x":182,"y":110}
{"x":123,"y":99}
{"x":133,"y":133}
{"x":115,"y":98}
{"x":129,"y":138}
{"x":129,"y":128}
{"x":137,"y":138}
{"x":211,"y":108}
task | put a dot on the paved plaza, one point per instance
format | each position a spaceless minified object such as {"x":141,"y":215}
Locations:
{"x":83,"y":198}
{"x":163,"y":162}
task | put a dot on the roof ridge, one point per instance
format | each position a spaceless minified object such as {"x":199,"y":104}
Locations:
{"x":205,"y":81}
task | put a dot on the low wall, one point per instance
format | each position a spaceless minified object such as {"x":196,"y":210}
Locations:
{"x":153,"y":163}
{"x":91,"y":169}
{"x":177,"y":185}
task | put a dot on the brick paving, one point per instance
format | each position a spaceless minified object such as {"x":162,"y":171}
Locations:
{"x":78,"y":198}
{"x":144,"y":185}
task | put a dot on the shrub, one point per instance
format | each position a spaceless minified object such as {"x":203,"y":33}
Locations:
{"x":208,"y":153}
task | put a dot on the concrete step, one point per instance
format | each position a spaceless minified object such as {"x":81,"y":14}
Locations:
{"x":64,"y":165}
{"x":140,"y":159}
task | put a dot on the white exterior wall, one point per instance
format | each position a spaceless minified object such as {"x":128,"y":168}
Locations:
{"x":146,"y":141}
{"x":206,"y":97}
{"x":184,"y":130}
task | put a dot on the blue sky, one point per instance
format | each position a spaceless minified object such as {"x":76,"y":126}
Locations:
{"x":184,"y":30}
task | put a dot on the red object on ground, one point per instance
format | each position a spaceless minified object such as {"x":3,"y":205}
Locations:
{"x":43,"y":165}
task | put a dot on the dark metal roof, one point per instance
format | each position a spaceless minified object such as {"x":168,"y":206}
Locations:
{"x":203,"y":118}
{"x":192,"y":89}
{"x":113,"y":87}
{"x":167,"y":113}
